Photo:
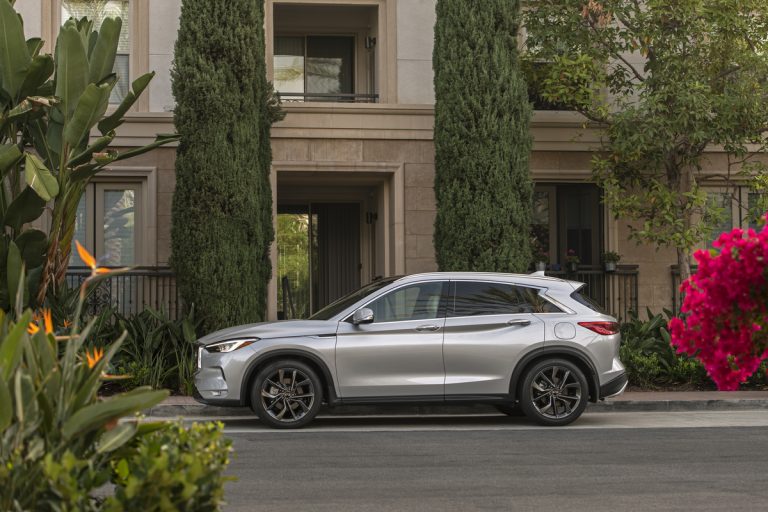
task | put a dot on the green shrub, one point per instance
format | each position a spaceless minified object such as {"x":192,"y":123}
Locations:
{"x":50,"y":414}
{"x":651,"y":361}
{"x":158,"y":352}
{"x":60,"y":442}
{"x":175,"y":468}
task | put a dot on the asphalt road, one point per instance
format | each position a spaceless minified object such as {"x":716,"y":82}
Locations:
{"x":617,"y":461}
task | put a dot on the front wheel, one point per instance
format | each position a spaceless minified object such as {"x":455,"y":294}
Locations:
{"x":554,"y":392}
{"x":286,"y":394}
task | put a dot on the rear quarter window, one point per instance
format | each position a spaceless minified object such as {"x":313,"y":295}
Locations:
{"x":587,"y":301}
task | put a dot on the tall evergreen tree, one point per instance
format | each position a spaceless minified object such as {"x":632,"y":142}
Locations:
{"x":482,"y":139}
{"x":222,"y":207}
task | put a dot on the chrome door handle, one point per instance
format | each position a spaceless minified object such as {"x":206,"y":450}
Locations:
{"x":430,"y":327}
{"x":519,"y":322}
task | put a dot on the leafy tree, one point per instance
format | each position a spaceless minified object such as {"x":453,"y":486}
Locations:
{"x":665,"y":80}
{"x":222,"y":207}
{"x":482,"y":140}
{"x":49,"y":105}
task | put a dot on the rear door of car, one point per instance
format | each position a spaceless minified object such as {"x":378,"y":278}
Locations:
{"x":488,"y":325}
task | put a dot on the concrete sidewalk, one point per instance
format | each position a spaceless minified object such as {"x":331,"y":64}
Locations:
{"x":628,"y":402}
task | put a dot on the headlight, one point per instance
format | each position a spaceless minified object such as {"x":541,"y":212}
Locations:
{"x":230,"y":345}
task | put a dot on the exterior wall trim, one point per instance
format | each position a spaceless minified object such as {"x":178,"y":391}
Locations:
{"x":392,"y":177}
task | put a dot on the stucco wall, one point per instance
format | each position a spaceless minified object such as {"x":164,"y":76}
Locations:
{"x":415,"y":40}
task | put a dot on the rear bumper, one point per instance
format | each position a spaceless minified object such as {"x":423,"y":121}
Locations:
{"x":614,"y":387}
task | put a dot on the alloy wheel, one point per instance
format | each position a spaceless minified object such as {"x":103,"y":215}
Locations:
{"x":287,"y":394}
{"x":556,"y":392}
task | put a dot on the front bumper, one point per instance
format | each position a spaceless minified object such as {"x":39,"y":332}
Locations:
{"x":614,"y":387}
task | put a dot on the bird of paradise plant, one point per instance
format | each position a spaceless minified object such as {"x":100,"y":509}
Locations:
{"x":49,"y":403}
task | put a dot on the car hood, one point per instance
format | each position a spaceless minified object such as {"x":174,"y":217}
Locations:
{"x":267,"y":330}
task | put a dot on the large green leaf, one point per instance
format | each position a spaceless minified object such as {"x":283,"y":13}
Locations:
{"x":6,"y":409}
{"x":32,"y":244}
{"x":116,"y":118}
{"x":27,"y":206}
{"x":91,"y":107}
{"x":34,"y":45}
{"x":98,"y":145}
{"x":14,"y":272}
{"x":40,"y":71}
{"x":14,"y":54}
{"x":71,"y":67}
{"x":96,"y":415}
{"x":103,"y":55}
{"x":115,"y":438}
{"x":160,"y":140}
{"x":39,"y":178}
{"x":10,"y":154}
{"x":12,"y":347}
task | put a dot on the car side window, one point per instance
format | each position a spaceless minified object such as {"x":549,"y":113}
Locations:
{"x":419,"y":301}
{"x":480,"y":298}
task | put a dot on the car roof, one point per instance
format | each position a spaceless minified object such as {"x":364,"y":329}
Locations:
{"x":535,"y":279}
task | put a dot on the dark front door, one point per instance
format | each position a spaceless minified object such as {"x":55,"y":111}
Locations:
{"x":338,"y":251}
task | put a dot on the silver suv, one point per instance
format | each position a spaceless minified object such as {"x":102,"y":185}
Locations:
{"x":525,"y":343}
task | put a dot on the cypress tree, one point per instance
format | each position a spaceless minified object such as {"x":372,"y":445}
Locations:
{"x":482,"y":139}
{"x":222,"y":206}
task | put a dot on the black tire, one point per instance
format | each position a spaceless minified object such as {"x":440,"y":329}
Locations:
{"x":286,"y":394}
{"x":511,"y":410}
{"x":554,"y":392}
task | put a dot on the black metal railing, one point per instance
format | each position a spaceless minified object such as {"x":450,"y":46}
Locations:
{"x":615,"y":291}
{"x":132,"y":291}
{"x":294,"y":97}
{"x":677,"y":299}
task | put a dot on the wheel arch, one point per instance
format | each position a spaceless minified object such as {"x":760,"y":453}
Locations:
{"x":573,"y":355}
{"x":313,"y":361}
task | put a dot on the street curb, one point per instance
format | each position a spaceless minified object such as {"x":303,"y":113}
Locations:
{"x":608,"y":406}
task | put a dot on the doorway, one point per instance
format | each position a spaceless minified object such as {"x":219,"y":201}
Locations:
{"x":318,"y":255}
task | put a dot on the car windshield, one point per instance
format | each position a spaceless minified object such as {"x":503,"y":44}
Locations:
{"x":334,"y":308}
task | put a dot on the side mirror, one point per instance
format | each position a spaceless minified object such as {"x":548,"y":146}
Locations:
{"x":362,"y":316}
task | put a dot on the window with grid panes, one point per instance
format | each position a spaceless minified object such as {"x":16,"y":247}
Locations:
{"x":97,"y":10}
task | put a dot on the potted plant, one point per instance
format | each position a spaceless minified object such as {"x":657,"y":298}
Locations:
{"x":572,"y":260}
{"x":610,"y":259}
{"x":540,"y":255}
{"x":542,"y":260}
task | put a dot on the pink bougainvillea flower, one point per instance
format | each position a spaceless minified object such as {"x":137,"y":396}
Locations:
{"x":725,"y":308}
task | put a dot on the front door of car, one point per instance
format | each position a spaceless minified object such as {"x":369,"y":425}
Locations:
{"x":400,"y":353}
{"x":488,"y":326}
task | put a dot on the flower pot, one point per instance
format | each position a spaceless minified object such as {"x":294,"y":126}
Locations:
{"x":541,"y":266}
{"x":572,"y":266}
{"x":610,"y":266}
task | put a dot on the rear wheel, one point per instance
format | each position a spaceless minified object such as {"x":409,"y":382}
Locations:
{"x":554,"y":392}
{"x":286,"y":394}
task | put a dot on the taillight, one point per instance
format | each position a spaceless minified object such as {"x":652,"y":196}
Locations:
{"x":604,"y":328}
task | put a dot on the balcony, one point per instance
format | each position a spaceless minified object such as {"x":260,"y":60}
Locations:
{"x":300,"y":97}
{"x":326,"y":52}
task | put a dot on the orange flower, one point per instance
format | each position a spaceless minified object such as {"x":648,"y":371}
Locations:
{"x":89,"y":260}
{"x":94,"y":357}
{"x":32,"y":328}
{"x":48,"y":321}
{"x":67,"y":323}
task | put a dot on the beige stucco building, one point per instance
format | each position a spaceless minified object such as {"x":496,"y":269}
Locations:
{"x":354,"y":157}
